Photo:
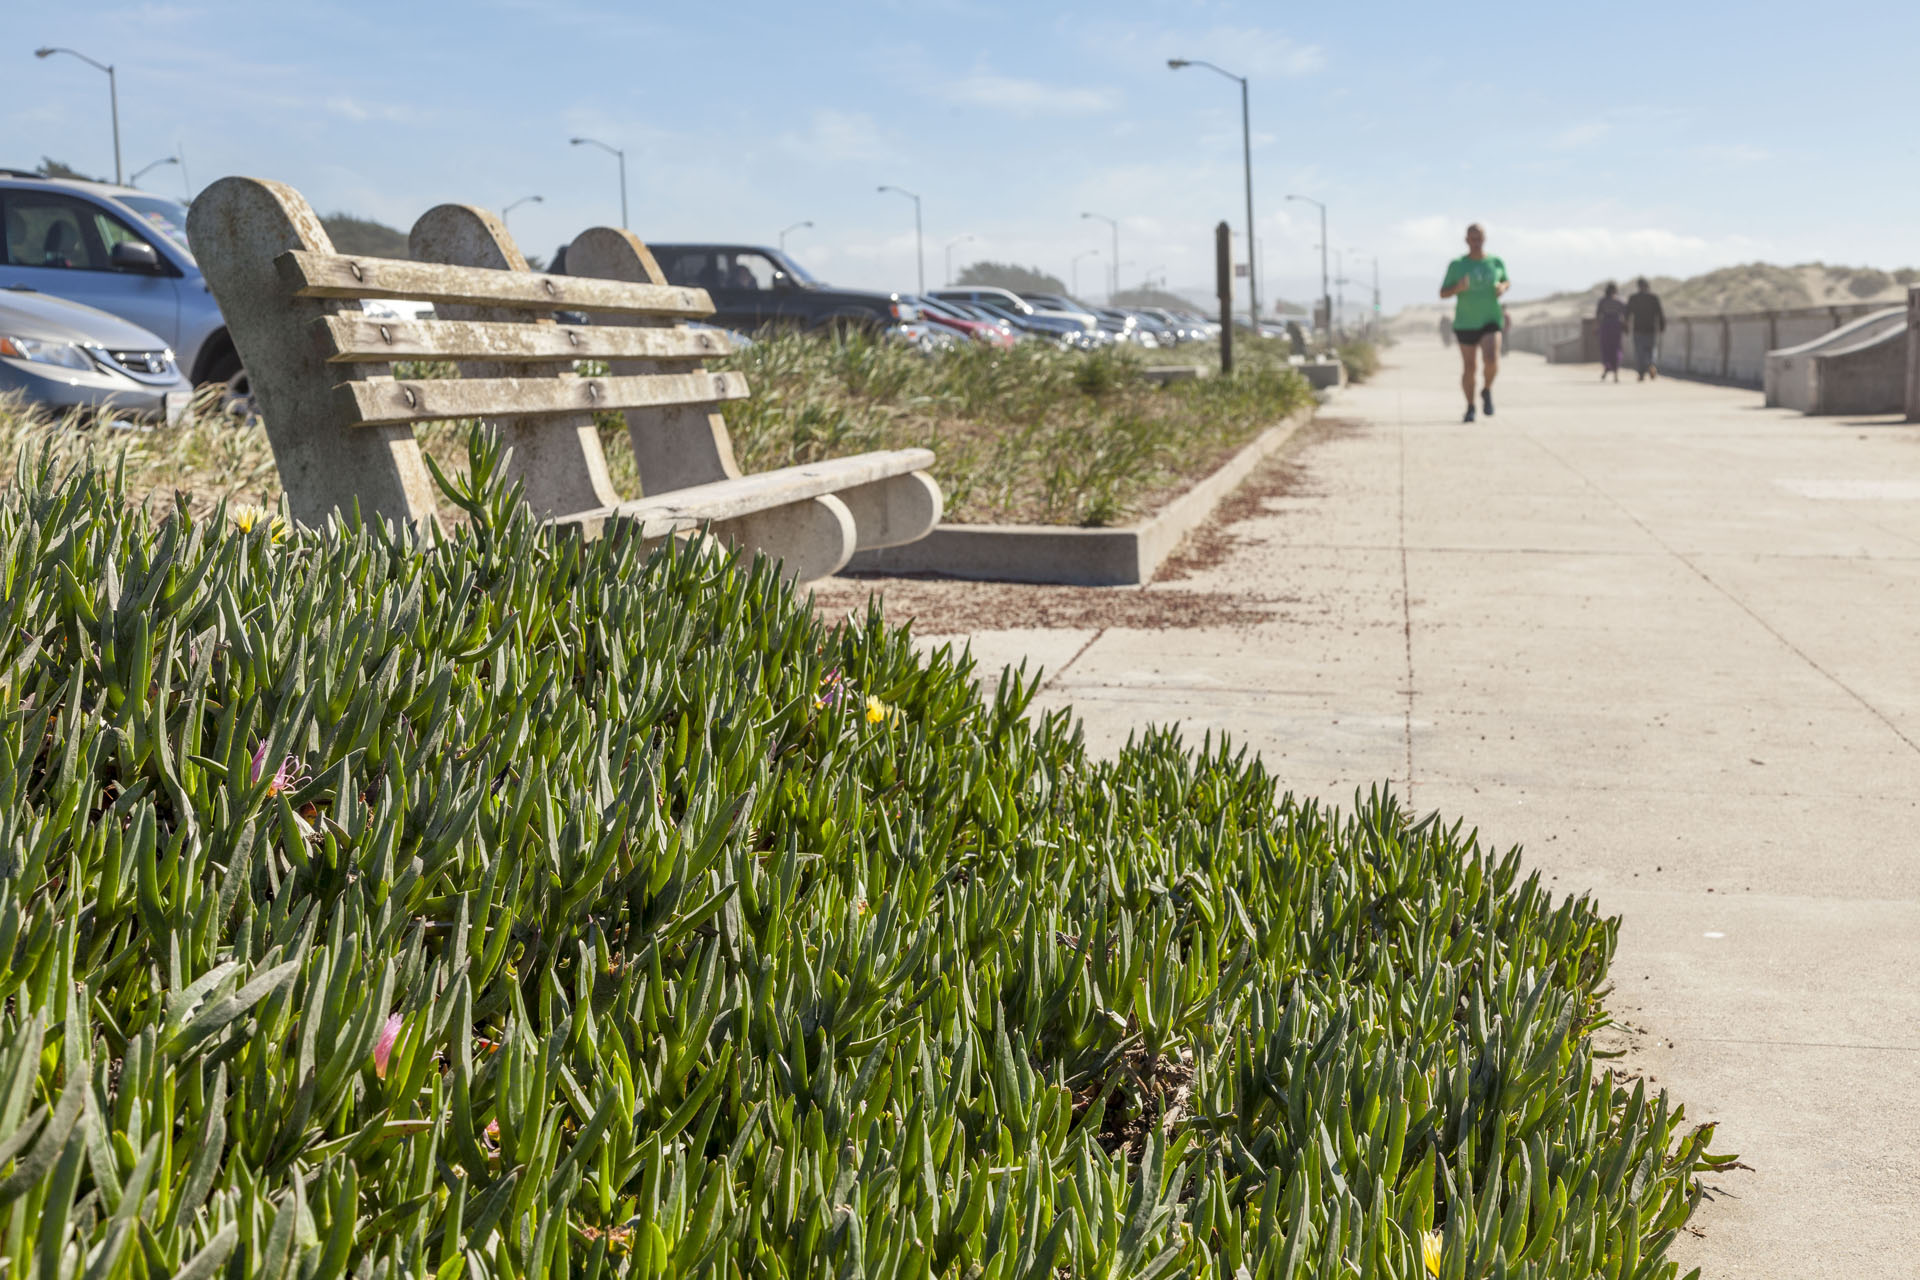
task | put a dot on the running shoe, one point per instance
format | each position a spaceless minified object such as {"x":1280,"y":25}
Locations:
{"x":1486,"y":400}
{"x":1469,"y":417}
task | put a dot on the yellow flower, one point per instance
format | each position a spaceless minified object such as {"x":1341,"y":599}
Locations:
{"x":247,"y":517}
{"x":1430,"y":1249}
{"x":878,"y":712}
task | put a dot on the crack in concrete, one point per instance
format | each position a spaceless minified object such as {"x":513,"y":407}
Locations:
{"x":1406,"y":599}
{"x":1733,"y":599}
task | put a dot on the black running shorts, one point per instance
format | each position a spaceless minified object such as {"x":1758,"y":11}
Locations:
{"x":1474,"y":337}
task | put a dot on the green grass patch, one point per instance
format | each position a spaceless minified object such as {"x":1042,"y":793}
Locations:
{"x":508,"y":905}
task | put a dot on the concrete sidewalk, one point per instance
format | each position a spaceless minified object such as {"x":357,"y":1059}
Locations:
{"x":1667,"y":640}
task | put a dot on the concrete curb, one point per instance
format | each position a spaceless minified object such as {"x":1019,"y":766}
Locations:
{"x":1122,"y":557}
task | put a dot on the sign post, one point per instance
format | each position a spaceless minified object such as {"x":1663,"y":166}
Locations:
{"x":1223,"y":271}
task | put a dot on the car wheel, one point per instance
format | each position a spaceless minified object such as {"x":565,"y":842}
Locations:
{"x":236,"y":397}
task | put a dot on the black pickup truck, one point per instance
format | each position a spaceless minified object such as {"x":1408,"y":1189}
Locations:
{"x":754,"y":287}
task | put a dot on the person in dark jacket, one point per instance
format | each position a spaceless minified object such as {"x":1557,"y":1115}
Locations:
{"x":1648,"y":322}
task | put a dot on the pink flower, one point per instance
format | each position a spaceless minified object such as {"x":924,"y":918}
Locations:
{"x":383,"y":1047}
{"x":285,"y":778}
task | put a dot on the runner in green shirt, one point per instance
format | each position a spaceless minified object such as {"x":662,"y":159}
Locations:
{"x":1475,"y":282}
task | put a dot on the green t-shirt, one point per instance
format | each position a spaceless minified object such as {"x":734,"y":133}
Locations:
{"x":1479,"y":306}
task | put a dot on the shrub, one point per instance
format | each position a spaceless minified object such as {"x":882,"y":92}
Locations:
{"x":1361,"y":357}
{"x":511,"y":905}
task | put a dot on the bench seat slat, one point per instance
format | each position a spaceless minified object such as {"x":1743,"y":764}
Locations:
{"x":330,"y":275}
{"x":373,"y":402}
{"x":683,"y":509}
{"x":365,"y":339}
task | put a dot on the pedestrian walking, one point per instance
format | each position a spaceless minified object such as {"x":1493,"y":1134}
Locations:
{"x":1475,"y":281}
{"x":1611,"y":318}
{"x":1648,"y":322}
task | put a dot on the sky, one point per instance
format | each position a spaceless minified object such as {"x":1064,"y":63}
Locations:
{"x":1591,"y":142}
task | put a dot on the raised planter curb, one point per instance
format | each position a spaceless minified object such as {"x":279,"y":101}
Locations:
{"x":1121,"y":557}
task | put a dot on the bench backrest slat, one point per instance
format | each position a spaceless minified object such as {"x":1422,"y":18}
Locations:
{"x":361,"y":338}
{"x":331,"y":275}
{"x":379,"y":401}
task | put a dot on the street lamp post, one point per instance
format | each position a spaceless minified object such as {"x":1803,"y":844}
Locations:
{"x":113,"y":96}
{"x":919,"y":251}
{"x":134,"y":181}
{"x":956,"y":240}
{"x":795,"y":227}
{"x":1326,"y":298}
{"x":1246,"y":154}
{"x":1113,"y":275}
{"x":508,"y":211}
{"x":1357,"y":254}
{"x":619,"y":155}
{"x":1089,"y":253}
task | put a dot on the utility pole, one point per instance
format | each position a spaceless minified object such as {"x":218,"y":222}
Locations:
{"x":1326,"y":298}
{"x":113,"y":97}
{"x":795,"y":227}
{"x":1075,"y":272}
{"x":1246,"y":155}
{"x":1113,"y":275}
{"x":619,"y":155}
{"x":919,"y":253}
{"x":956,"y":240}
{"x":508,"y":211}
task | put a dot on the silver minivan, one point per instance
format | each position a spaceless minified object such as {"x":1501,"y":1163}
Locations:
{"x":120,"y":250}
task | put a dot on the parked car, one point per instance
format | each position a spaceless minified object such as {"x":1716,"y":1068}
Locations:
{"x":754,"y":287}
{"x":949,"y":315}
{"x":1008,"y":300}
{"x":62,"y":355}
{"x":1061,"y":304}
{"x":119,"y":250}
{"x":1068,"y":333}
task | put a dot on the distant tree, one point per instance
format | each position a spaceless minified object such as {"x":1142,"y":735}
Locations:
{"x":1144,"y":297}
{"x":1005,"y":275}
{"x":54,"y":169}
{"x":364,"y":236}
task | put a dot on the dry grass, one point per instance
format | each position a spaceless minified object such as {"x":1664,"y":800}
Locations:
{"x":1032,"y":435}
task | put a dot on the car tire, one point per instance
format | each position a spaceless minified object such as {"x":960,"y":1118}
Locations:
{"x":235,"y":389}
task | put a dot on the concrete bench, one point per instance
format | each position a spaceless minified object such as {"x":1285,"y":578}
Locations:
{"x":341,"y":425}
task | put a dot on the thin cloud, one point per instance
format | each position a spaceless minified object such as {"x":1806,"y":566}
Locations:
{"x":1031,"y":97}
{"x":1580,"y":135}
{"x":1244,"y":51}
{"x":840,"y":137}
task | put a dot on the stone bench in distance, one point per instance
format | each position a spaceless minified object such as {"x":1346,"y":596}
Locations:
{"x":341,"y":426}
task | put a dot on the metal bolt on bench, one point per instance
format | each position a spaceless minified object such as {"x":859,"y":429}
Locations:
{"x":341,"y":425}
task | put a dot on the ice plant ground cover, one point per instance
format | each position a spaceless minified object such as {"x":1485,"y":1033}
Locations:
{"x":512,"y":906}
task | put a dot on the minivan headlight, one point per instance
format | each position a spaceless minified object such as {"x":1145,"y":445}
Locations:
{"x":41,"y":351}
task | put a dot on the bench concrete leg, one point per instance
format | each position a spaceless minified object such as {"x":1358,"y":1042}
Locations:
{"x":813,"y":538}
{"x":893,"y":511}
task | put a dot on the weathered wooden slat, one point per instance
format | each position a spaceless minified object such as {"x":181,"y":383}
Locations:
{"x":327,"y":275}
{"x":357,"y":338}
{"x":700,"y":504}
{"x":373,"y":402}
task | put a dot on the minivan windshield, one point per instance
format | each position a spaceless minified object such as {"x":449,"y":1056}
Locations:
{"x":168,"y":217}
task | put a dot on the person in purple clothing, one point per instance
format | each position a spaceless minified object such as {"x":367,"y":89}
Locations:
{"x":1611,"y":317}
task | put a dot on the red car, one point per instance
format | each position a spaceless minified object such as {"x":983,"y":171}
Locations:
{"x":950,"y":317}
